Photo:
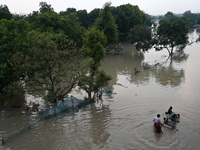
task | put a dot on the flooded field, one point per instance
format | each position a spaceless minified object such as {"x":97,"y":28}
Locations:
{"x":123,"y":120}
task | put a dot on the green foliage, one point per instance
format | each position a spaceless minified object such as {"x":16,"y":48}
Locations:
{"x":50,"y":21}
{"x":169,"y":15}
{"x":53,"y":64}
{"x":147,"y":20}
{"x":32,"y":17}
{"x":45,"y":54}
{"x":140,"y":35}
{"x":5,"y":13}
{"x":49,"y":97}
{"x":94,"y":83}
{"x":53,"y":22}
{"x":68,"y":11}
{"x":13,"y":45}
{"x":198,"y":21}
{"x":191,"y":18}
{"x":106,"y":23}
{"x":17,"y":17}
{"x":83,"y":18}
{"x":92,"y":16}
{"x":44,"y":7}
{"x":127,"y":16}
{"x":75,"y":31}
{"x":172,"y":32}
{"x":94,"y":42}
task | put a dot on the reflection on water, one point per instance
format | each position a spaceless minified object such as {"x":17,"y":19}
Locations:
{"x":164,"y":72}
{"x":124,"y":120}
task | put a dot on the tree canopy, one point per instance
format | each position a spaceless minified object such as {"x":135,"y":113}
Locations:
{"x":53,"y":51}
{"x":172,"y":32}
{"x":94,"y":42}
{"x":13,"y":45}
{"x":140,"y":35}
{"x":127,"y":16}
{"x":54,"y":65}
{"x":5,"y":13}
{"x":106,"y":23}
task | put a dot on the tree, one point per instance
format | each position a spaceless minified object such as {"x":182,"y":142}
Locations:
{"x":5,"y":13}
{"x":44,"y":7}
{"x":68,"y":11}
{"x":67,"y":24}
{"x":53,"y":65}
{"x":13,"y":46}
{"x":92,"y":16}
{"x":191,"y":18}
{"x":106,"y":23}
{"x":172,"y":32}
{"x":75,"y":31}
{"x":83,"y":18}
{"x":94,"y":42}
{"x":50,"y":21}
{"x":32,"y":17}
{"x":18,"y":16}
{"x":93,"y":84}
{"x":140,"y":35}
{"x":127,"y":16}
{"x":198,"y":21}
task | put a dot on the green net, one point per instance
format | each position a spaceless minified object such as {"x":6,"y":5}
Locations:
{"x":70,"y":103}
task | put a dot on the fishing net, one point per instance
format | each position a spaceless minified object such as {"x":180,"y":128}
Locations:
{"x":70,"y":103}
{"x":108,"y":91}
{"x":24,"y":128}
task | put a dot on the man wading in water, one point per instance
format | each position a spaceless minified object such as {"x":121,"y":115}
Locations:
{"x":157,"y":124}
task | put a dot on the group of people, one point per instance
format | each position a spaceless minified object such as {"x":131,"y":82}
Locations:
{"x":169,"y":115}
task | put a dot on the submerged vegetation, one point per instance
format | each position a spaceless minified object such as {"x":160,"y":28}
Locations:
{"x":56,"y":52}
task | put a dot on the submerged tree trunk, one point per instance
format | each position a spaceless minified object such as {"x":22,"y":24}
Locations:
{"x":170,"y":51}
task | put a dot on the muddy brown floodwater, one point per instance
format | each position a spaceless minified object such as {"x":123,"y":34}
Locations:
{"x":123,"y":121}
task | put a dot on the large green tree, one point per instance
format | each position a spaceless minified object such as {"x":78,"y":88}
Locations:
{"x":48,"y":20}
{"x":106,"y":23}
{"x":127,"y":16}
{"x":172,"y":33}
{"x":44,"y":7}
{"x":92,"y":16}
{"x":191,"y":18}
{"x":13,"y":46}
{"x":53,"y":65}
{"x":94,"y":42}
{"x":5,"y":13}
{"x":140,"y":36}
{"x":83,"y":18}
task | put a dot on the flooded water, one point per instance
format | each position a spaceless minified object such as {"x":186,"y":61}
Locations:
{"x":123,"y":121}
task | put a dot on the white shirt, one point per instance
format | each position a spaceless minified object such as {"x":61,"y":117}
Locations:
{"x":156,"y":120}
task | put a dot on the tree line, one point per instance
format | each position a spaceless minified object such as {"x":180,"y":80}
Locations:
{"x":55,"y":52}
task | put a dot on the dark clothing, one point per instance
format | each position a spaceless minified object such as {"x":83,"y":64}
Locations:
{"x":170,"y":110}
